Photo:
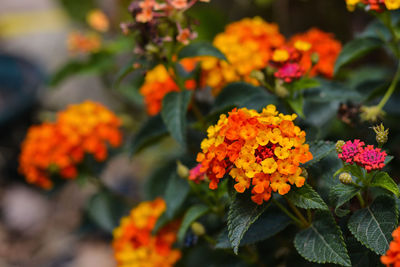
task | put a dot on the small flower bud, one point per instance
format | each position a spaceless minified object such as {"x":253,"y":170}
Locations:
{"x":258,"y":75}
{"x":182,"y":170}
{"x":280,"y":90}
{"x":339,"y":145}
{"x":198,"y":229}
{"x":314,"y":58}
{"x":381,"y":134}
{"x":371,"y":113}
{"x":345,"y":178}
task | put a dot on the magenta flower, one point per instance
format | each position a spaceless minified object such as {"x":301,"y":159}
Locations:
{"x":350,"y":150}
{"x":371,"y":158}
{"x":289,"y":72}
{"x":196,"y":175}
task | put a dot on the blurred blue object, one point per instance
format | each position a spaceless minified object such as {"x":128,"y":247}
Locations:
{"x":20,"y":82}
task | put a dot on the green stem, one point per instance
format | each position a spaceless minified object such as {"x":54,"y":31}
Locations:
{"x":391,"y":88}
{"x":288,"y":213}
{"x":361,"y":200}
{"x":297,"y":212}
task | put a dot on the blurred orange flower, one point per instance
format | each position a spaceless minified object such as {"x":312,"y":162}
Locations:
{"x":134,"y":245}
{"x":321,"y":43}
{"x":260,"y":151}
{"x":57,"y":148}
{"x":83,"y":43}
{"x":98,"y":20}
{"x":392,"y":256}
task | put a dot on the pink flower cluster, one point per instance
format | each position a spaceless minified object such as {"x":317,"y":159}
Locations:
{"x":368,"y":157}
{"x":196,"y":175}
{"x":289,"y":72}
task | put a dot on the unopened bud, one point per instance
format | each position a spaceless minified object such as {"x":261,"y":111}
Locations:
{"x":381,"y":134}
{"x":345,"y":178}
{"x":182,"y":170}
{"x":258,"y":75}
{"x":339,"y":145}
{"x":198,"y":229}
{"x":152,"y":48}
{"x":280,"y":90}
{"x":314,"y":58}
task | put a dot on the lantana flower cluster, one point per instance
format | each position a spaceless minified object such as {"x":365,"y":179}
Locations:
{"x":376,"y":5}
{"x":262,"y":152}
{"x":366,"y":156}
{"x":135,"y":246}
{"x":248,"y":46}
{"x":392,"y":256}
{"x":159,"y":81}
{"x":59,"y":147}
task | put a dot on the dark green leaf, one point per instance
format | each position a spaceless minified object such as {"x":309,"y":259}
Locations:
{"x":306,"y":197}
{"x":96,"y":63}
{"x":322,"y":242}
{"x":373,"y":226}
{"x":243,"y":212}
{"x":173,"y":113}
{"x":198,"y":49}
{"x":242,"y":94}
{"x":105,"y":210}
{"x":383,"y":180}
{"x":152,"y":130}
{"x":388,"y":159}
{"x":191,"y":215}
{"x":267,"y":225}
{"x":156,"y":183}
{"x":356,"y":49}
{"x":162,"y":221}
{"x":320,"y":150}
{"x":297,"y":105}
{"x":176,"y":192}
{"x":340,"y":194}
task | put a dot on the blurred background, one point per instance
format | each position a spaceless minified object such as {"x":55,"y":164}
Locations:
{"x":40,"y":228}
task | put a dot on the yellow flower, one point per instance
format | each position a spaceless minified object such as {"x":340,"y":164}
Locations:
{"x":269,"y":165}
{"x":392,"y":4}
{"x":280,"y":55}
{"x":302,"y":45}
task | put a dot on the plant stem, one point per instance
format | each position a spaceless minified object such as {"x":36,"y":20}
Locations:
{"x":297,"y":212}
{"x":288,"y":213}
{"x":360,"y":198}
{"x":391,"y":88}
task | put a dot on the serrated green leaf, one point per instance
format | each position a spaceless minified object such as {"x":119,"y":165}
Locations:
{"x":198,"y":49}
{"x":373,"y":226}
{"x":306,"y":197}
{"x":242,"y":94}
{"x":191,"y":215}
{"x":320,"y":150}
{"x":383,"y":180}
{"x":173,"y":113}
{"x":322,"y":242}
{"x":267,"y":225}
{"x":243,"y":212}
{"x":105,"y":210}
{"x":356,"y":49}
{"x":152,"y":130}
{"x":340,"y":194}
{"x":175,"y":194}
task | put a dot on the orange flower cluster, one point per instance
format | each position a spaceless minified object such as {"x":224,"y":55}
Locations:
{"x":376,"y":5}
{"x":57,"y":148}
{"x":392,"y":257}
{"x":80,"y":43}
{"x":248,"y":45}
{"x":261,"y":151}
{"x":135,"y":246}
{"x":324,"y":45}
{"x":159,"y":82}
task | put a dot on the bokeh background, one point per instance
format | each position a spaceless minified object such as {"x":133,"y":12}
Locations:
{"x":40,"y":228}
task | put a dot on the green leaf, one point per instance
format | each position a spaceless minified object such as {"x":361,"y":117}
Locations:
{"x":305,"y":83}
{"x":297,"y":105}
{"x":243,"y":212}
{"x":152,"y":130}
{"x":156,"y":183}
{"x":373,"y":226}
{"x":176,"y":192}
{"x":267,"y":225}
{"x":306,"y":197}
{"x":162,"y":221}
{"x":320,"y":150}
{"x":173,"y":113}
{"x":388,"y":159}
{"x":383,"y":180}
{"x":356,"y":49}
{"x":242,"y":94}
{"x":191,"y":215}
{"x":198,"y":49}
{"x":96,"y":63}
{"x":105,"y":210}
{"x":340,"y":194}
{"x":322,"y":242}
